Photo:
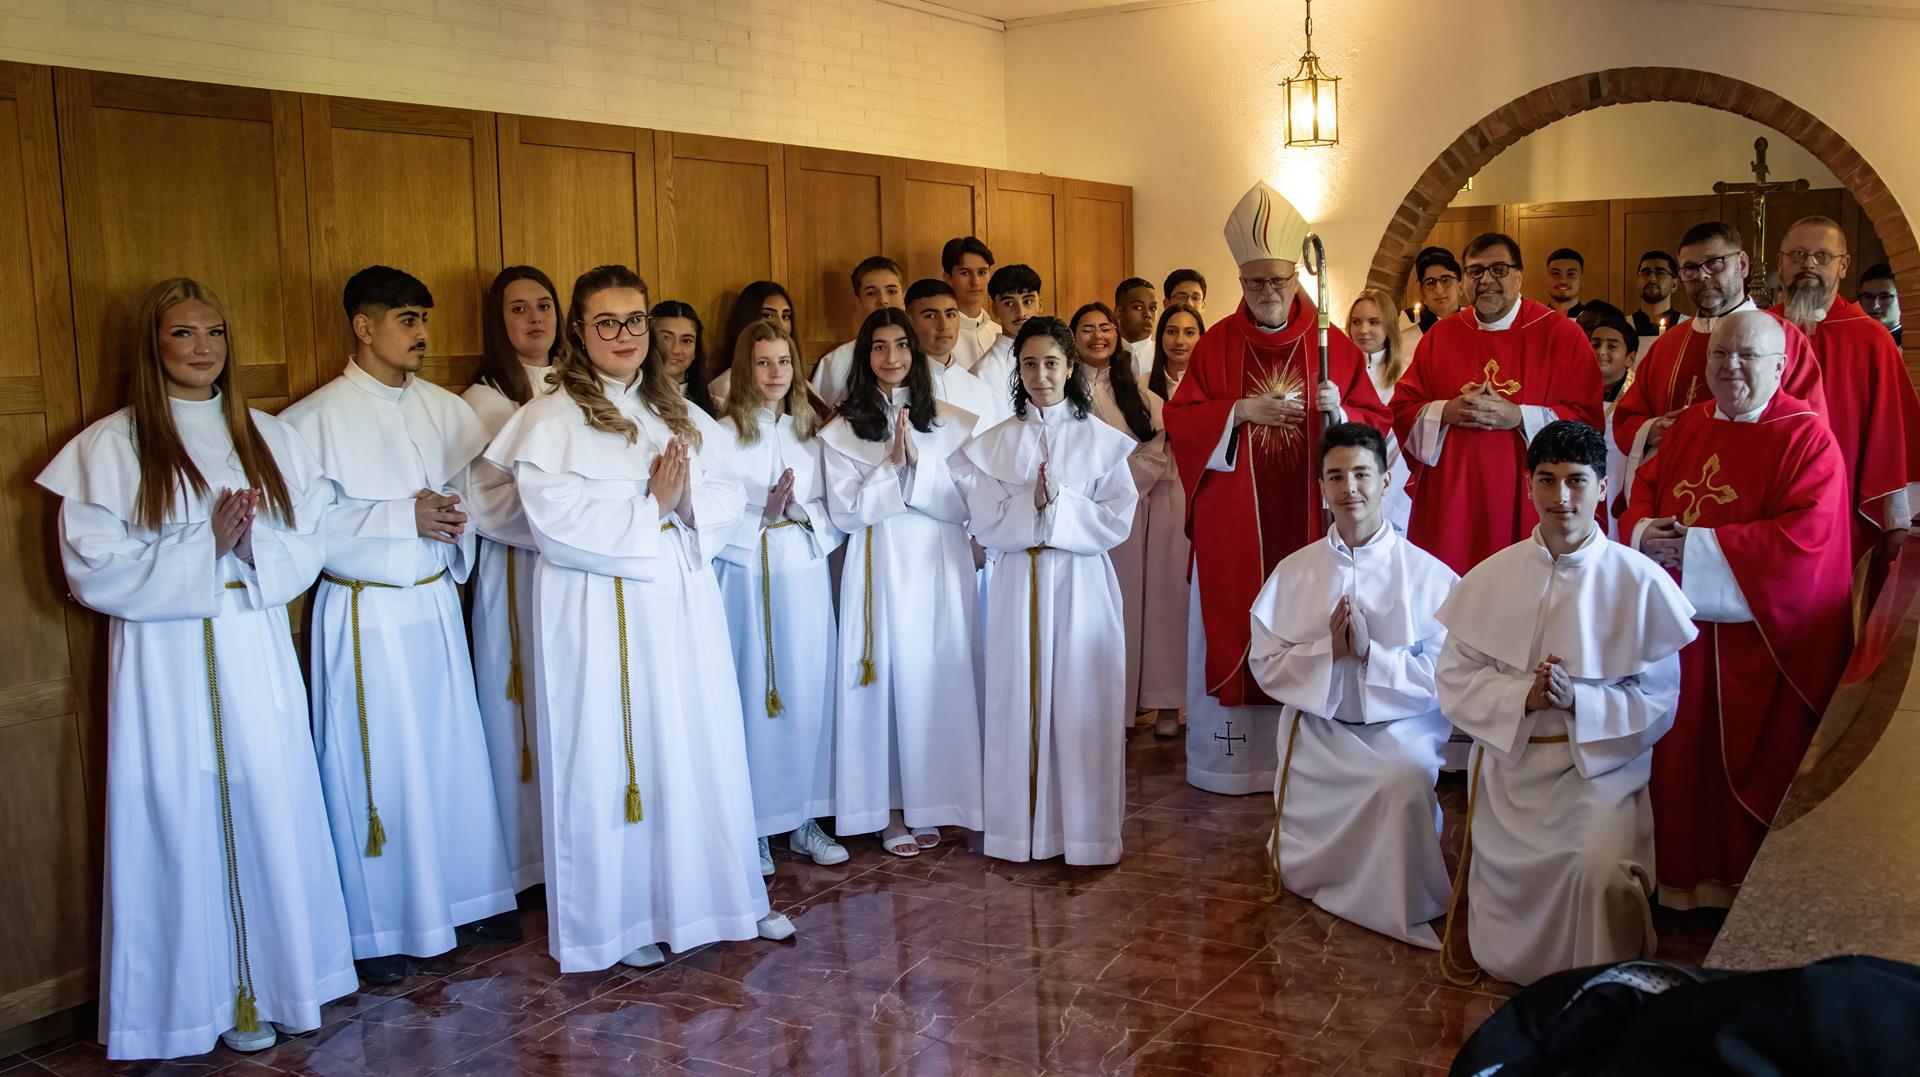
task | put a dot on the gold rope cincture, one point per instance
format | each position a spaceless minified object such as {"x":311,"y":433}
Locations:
{"x":866,"y":609}
{"x":774,"y":706}
{"x":376,"y":832}
{"x":1033,"y":682}
{"x":626,"y":702}
{"x":245,"y":1017}
{"x":1455,"y":973}
{"x":515,"y":690}
{"x":1279,"y":886}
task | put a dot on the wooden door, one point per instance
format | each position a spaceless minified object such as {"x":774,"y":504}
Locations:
{"x":181,"y":179}
{"x":722,"y":206}
{"x":577,"y":195}
{"x":1453,"y":231}
{"x":412,"y":187}
{"x":1099,"y":243}
{"x":1639,"y":225}
{"x":51,"y":725}
{"x":1543,"y":227}
{"x":841,"y":208}
{"x":941,"y":202}
{"x":1027,"y":222}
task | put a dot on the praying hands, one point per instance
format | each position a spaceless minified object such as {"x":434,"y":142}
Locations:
{"x":1552,"y":687}
{"x":1665,"y":540}
{"x":1482,"y":409}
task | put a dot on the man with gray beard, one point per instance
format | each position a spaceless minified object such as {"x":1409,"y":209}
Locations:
{"x":1871,"y":404}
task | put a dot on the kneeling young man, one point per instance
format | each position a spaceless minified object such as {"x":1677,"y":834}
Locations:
{"x":1562,"y":661}
{"x":1344,"y":636}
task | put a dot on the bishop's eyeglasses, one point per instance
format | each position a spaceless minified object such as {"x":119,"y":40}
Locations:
{"x":1276,"y":285}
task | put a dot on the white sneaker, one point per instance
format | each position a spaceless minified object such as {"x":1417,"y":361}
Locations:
{"x":775,"y":927}
{"x":644,"y":957}
{"x":810,"y":840}
{"x":248,"y":1042}
{"x":766,"y":858}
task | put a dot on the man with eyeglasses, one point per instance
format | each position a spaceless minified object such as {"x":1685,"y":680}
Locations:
{"x":1746,"y":506}
{"x":1672,"y":375}
{"x":1659,"y":274}
{"x":403,"y":761}
{"x":1879,"y":296}
{"x":1871,"y":403}
{"x":1483,"y":382}
{"x":1438,"y":272}
{"x":1243,"y":426}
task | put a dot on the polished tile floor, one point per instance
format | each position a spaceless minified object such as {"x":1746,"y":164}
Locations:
{"x":948,"y":963}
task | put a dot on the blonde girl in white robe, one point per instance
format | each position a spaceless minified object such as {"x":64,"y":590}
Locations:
{"x":1120,"y":402}
{"x":779,"y":598}
{"x":189,"y":520}
{"x":909,"y":751}
{"x":643,"y":769}
{"x":519,"y":339}
{"x":1372,"y":323}
{"x":1050,"y":490}
{"x":1163,"y":633}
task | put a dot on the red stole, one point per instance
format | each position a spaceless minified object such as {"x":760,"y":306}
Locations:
{"x":1245,"y":521}
{"x":1873,"y":411}
{"x":1475,"y":501}
{"x":1673,"y":375}
{"x":1751,"y":694}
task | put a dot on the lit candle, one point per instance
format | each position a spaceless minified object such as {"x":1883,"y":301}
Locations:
{"x":1663,"y":323}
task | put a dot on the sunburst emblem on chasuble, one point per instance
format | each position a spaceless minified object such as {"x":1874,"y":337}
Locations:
{"x":1703,"y":489}
{"x":1286,"y":382}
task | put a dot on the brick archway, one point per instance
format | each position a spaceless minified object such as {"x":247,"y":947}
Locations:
{"x":1522,"y":116}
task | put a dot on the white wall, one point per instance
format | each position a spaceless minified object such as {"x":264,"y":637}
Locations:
{"x":1182,"y":102}
{"x":845,"y":74}
{"x":1647,"y":150}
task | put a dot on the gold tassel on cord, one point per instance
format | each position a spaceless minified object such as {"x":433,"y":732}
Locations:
{"x":626,"y":702}
{"x":376,"y":832}
{"x":774,"y":706}
{"x":866,"y":656}
{"x":1277,"y":880}
{"x":516,"y":693}
{"x":246,"y":1017}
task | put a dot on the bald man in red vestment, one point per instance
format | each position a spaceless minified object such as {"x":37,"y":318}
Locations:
{"x":1746,"y":504}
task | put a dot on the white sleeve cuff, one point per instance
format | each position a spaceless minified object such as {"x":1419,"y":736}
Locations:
{"x":1707,"y":580}
{"x":1428,"y":434}
{"x":1222,"y":458}
{"x":1533,"y":419}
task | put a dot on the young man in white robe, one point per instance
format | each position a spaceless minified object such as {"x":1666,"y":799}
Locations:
{"x":191,"y":521}
{"x":1050,"y":491}
{"x":643,"y":771}
{"x":1344,"y":637}
{"x":519,"y":337}
{"x":1016,"y":297}
{"x":1562,"y":662}
{"x":877,"y":282}
{"x":908,"y":760}
{"x":966,"y":264}
{"x":403,"y":755}
{"x":936,"y":325}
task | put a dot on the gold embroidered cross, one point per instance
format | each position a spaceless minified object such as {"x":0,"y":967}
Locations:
{"x":1704,"y":489}
{"x":1491,"y":377}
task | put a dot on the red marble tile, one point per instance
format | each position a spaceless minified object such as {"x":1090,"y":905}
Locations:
{"x":1237,"y":922}
{"x":553,"y":1049}
{"x":1320,"y":933}
{"x":1431,"y":1025}
{"x":922,"y":991}
{"x":950,"y":1060}
{"x":803,"y":1040}
{"x":664,"y":1014}
{"x":528,"y":980}
{"x":797,"y":879}
{"x":879,"y":905}
{"x":980,"y":934}
{"x":1187,"y":797}
{"x":1204,"y":1045}
{"x":1019,"y":908}
{"x":1363,"y":1064}
{"x":821,"y":951}
{"x":1064,"y":1027}
{"x":88,"y":1059}
{"x":1150,"y":965}
{"x":413,"y":1043}
{"x":1316,"y":996}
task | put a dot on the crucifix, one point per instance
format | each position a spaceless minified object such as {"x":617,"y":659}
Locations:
{"x":1758,"y":190}
{"x":1230,"y":738}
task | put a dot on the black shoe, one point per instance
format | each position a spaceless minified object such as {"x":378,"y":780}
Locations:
{"x":501,"y":927}
{"x":381,"y":971}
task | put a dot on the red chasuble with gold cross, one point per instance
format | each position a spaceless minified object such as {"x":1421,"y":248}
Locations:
{"x":1673,"y":375}
{"x":1474,"y":501}
{"x":1244,"y":521}
{"x":1751,"y":693}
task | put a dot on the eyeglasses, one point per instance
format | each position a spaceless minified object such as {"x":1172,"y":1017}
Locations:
{"x":1276,"y":285}
{"x":609,"y":328}
{"x":1445,"y":280}
{"x":1874,"y":299}
{"x":1803,"y":256}
{"x":1744,"y":358}
{"x":1655,"y":273}
{"x":1499,"y":270}
{"x":1710,"y":267}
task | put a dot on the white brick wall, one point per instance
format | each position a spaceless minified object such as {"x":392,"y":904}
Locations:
{"x":864,"y":75}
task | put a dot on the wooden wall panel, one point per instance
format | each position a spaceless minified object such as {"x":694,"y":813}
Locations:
{"x":178,"y":179}
{"x":50,"y":724}
{"x":722,"y":206}
{"x":1099,"y":243}
{"x":1639,"y":225}
{"x":1027,"y":222}
{"x":577,"y":195}
{"x":1542,"y":227}
{"x":941,"y":202}
{"x":841,"y":208}
{"x":413,"y":187}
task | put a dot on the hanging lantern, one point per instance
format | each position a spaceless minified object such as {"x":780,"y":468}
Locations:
{"x":1313,"y":99}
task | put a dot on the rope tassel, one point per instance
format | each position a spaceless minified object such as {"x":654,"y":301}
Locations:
{"x":516,"y":694}
{"x":774,"y":706}
{"x":246,"y":1016}
{"x":626,"y":702}
{"x":1278,"y":886}
{"x":866,"y":606}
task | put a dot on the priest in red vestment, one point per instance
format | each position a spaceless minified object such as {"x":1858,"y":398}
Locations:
{"x":1483,"y":382}
{"x":1746,"y":504}
{"x":1672,"y":375}
{"x":1242,"y":427}
{"x":1870,"y":399}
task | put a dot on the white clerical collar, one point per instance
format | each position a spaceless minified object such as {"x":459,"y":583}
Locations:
{"x":615,"y":390}
{"x":766,"y":416}
{"x":212,"y":409}
{"x":1050,"y":413}
{"x":1745,"y":416}
{"x":536,"y":375}
{"x":1505,"y":321}
{"x":1376,"y":358}
{"x":1377,"y":543}
{"x":940,"y":362}
{"x":360,"y":379}
{"x":1704,"y":323}
{"x":974,"y":321}
{"x":1579,"y":554}
{"x":897,"y":398}
{"x":1097,"y":374}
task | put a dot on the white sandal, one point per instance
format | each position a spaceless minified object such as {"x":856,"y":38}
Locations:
{"x":923,"y":832}
{"x":903,"y":846}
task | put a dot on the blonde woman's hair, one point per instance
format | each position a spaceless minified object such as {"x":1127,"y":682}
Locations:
{"x":1397,"y":356}
{"x":743,"y":396}
{"x":581,"y":381}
